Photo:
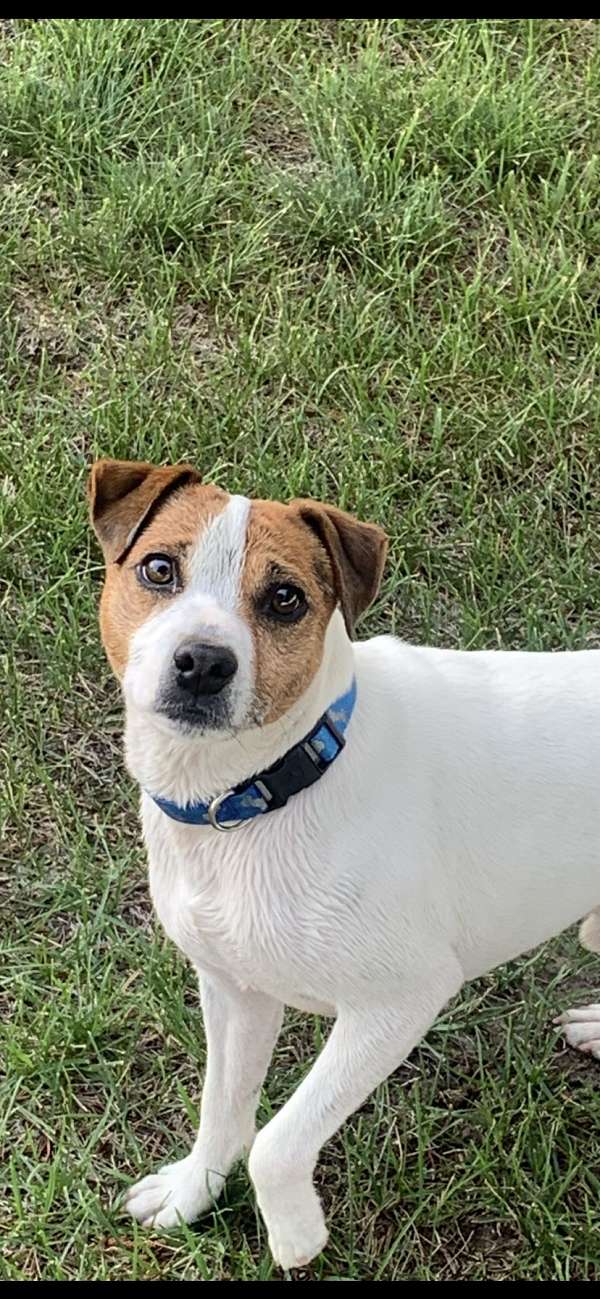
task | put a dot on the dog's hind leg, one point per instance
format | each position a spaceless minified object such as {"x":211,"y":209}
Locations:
{"x":581,"y":1025}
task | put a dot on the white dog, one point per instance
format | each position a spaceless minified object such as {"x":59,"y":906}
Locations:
{"x":401,"y":819}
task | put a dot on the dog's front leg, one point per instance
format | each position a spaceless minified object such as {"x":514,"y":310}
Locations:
{"x":241,"y":1030}
{"x":365,"y":1045}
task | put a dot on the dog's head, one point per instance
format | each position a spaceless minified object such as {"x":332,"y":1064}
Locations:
{"x":215,"y":608}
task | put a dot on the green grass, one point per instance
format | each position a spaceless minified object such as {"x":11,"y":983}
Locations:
{"x":354,"y":259}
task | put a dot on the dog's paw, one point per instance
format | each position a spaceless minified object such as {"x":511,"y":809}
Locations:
{"x":581,"y":1027}
{"x":180,"y":1192}
{"x":294,"y":1242}
{"x":288,"y":1202}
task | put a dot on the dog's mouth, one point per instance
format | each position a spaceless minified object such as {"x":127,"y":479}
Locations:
{"x":197,"y":714}
{"x":209,"y":717}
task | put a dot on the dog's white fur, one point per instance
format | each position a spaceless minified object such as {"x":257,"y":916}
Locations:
{"x":459,"y":827}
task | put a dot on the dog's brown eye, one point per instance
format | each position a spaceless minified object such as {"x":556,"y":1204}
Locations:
{"x":286,"y":603}
{"x":158,"y":570}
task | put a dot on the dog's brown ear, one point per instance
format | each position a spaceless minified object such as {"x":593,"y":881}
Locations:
{"x":124,"y":494}
{"x":356,"y":552}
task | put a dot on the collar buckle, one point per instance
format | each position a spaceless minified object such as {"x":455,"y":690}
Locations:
{"x":299,"y":768}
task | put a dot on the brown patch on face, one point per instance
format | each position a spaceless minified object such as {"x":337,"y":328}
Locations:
{"x":125,"y":603}
{"x":280,"y":550}
{"x":334,"y":559}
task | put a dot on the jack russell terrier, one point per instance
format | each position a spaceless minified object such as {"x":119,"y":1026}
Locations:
{"x":352,"y":829}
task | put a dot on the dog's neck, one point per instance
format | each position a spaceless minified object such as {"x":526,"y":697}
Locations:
{"x":188,"y":768}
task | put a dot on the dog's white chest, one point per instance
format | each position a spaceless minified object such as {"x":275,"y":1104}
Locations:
{"x":230,"y":912}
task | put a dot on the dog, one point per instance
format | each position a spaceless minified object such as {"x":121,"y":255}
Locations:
{"x":349,"y":828}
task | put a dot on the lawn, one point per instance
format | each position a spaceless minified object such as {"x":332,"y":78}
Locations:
{"x":348,"y":258}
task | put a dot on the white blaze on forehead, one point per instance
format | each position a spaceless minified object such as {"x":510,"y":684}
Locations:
{"x":217,"y":559}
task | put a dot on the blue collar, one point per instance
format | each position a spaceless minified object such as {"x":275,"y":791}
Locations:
{"x":300,"y":767}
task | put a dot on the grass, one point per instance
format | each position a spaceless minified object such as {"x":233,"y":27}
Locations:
{"x":348,"y":258}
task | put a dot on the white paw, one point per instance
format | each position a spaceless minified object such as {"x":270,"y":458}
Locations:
{"x":288,"y":1202}
{"x":179,"y":1192}
{"x":295,"y":1222}
{"x":293,"y":1243}
{"x":581,"y":1028}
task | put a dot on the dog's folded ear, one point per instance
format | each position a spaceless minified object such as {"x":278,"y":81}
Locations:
{"x":125,"y":494}
{"x":356,"y":553}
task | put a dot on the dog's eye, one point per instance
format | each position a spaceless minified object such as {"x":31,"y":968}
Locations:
{"x":158,"y":571}
{"x":286,"y":603}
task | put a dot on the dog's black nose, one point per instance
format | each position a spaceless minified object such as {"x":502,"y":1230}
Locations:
{"x":204,"y":669}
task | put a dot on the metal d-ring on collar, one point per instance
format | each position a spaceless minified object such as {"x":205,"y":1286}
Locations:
{"x":213,"y":808}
